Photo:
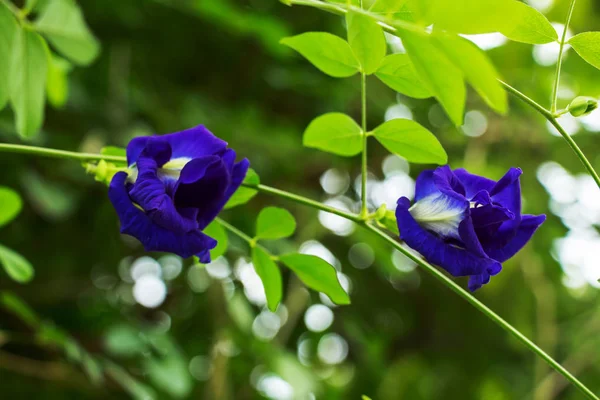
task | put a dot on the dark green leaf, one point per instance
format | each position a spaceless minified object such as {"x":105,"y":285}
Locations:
{"x":317,"y":274}
{"x":366,"y":40}
{"x":269,"y":274}
{"x":335,"y":133}
{"x":441,"y":77}
{"x":477,"y":69}
{"x":412,"y":141}
{"x":329,"y":53}
{"x":244,"y":194}
{"x":15,"y":265}
{"x":136,"y":389}
{"x":61,"y":21}
{"x":398,"y":72}
{"x":8,"y":32}
{"x":10,"y":205}
{"x":17,"y":306}
{"x":587,"y":45}
{"x":217,"y":232}
{"x":29,"y":70}
{"x":275,"y":223}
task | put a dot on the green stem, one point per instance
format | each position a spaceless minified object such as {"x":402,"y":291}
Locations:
{"x":68,"y":155}
{"x":363,"y":171}
{"x":251,"y":242}
{"x":13,"y":9}
{"x":552,"y":119}
{"x":560,"y":58}
{"x":303,"y":200}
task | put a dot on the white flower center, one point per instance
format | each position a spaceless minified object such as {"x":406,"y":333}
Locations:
{"x":439,"y":214}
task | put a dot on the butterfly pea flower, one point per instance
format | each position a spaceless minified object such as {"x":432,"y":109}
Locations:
{"x":467,"y":224}
{"x":176,"y":185}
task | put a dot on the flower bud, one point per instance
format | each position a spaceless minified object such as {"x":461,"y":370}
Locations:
{"x":582,"y":105}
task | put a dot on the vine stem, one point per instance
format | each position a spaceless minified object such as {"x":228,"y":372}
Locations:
{"x":552,"y":119}
{"x":53,"y":153}
{"x":363,"y":170}
{"x":560,"y":59}
{"x":251,"y":241}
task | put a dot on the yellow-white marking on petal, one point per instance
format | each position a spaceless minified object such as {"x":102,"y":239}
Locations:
{"x":437,"y":213}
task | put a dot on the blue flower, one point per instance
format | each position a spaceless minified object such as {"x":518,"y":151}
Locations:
{"x":467,"y":224}
{"x":177,"y":185}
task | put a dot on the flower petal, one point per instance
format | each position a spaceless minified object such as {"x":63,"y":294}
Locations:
{"x":190,"y":143}
{"x":425,"y":186}
{"x":473,"y":183}
{"x":440,"y":213}
{"x":455,"y":260}
{"x":154,"y":237}
{"x":477,"y":281}
{"x":526,"y":229}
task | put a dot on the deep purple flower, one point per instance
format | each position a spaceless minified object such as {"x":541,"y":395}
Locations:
{"x":465,"y":223}
{"x":177,"y":186}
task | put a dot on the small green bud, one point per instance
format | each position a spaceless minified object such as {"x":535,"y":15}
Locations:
{"x":380,"y":213}
{"x":389,"y":221}
{"x":582,"y":105}
{"x":103,"y":171}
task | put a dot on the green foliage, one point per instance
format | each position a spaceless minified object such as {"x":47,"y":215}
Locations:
{"x":124,"y":341}
{"x":275,"y":223}
{"x":477,"y":69}
{"x":216,"y":231}
{"x":329,"y":53}
{"x":366,"y":39}
{"x":15,"y":265}
{"x":10,"y":205}
{"x":515,"y":20}
{"x":8,"y":31}
{"x":57,"y":84}
{"x":17,"y":306}
{"x":168,"y":368}
{"x":269,"y":274}
{"x":317,"y":274}
{"x":113,"y":151}
{"x":440,"y":75}
{"x":29,"y":69}
{"x":136,"y":389}
{"x":244,"y":194}
{"x":335,"y":133}
{"x":412,"y":141}
{"x":61,"y":21}
{"x":587,"y":45}
{"x":398,"y":72}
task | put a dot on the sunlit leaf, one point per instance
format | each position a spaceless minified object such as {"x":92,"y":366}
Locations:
{"x":317,"y":274}
{"x":244,"y":194}
{"x":366,"y":40}
{"x":477,"y":69}
{"x":61,"y":21}
{"x":8,"y":32}
{"x":275,"y":223}
{"x":217,"y":232}
{"x":29,"y":70}
{"x":10,"y":205}
{"x":269,"y":274}
{"x":15,"y":265}
{"x":412,"y":141}
{"x":587,"y":45}
{"x":329,"y":53}
{"x":335,"y":133}
{"x":398,"y":72}
{"x":441,"y":77}
{"x":57,"y":85}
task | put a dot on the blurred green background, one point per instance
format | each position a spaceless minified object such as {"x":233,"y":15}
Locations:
{"x":169,"y":65}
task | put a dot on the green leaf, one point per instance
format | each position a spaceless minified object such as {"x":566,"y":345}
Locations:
{"x":515,"y":20}
{"x":136,"y":389}
{"x":275,"y":223}
{"x":8,"y":32}
{"x":10,"y":205}
{"x":216,"y":231}
{"x":15,"y":265}
{"x":398,"y":72}
{"x":335,"y":133}
{"x":587,"y":45}
{"x":366,"y":40}
{"x":169,"y":369}
{"x":17,"y":306}
{"x":124,"y":341}
{"x":269,"y":274}
{"x":317,"y":274}
{"x":29,"y":70}
{"x":57,"y":85}
{"x":329,"y":53}
{"x":244,"y":194}
{"x":441,"y":77}
{"x":477,"y":69}
{"x":412,"y":141}
{"x":61,"y":21}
